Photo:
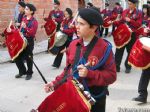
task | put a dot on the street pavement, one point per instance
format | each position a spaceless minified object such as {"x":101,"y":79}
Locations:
{"x":19,"y":95}
{"x":38,"y":48}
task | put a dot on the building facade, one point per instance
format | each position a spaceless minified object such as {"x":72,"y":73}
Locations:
{"x":7,"y":8}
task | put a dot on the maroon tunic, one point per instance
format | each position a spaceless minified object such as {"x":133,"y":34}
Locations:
{"x":103,"y":77}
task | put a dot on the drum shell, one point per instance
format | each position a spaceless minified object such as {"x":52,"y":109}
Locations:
{"x":15,"y":42}
{"x":61,"y":39}
{"x":139,"y":57}
{"x":67,"y":98}
{"x":122,"y":35}
{"x":50,"y":27}
{"x":107,"y":22}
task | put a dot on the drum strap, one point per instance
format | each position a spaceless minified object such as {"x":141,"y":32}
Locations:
{"x":86,"y":54}
{"x":100,"y":64}
{"x":28,"y":25}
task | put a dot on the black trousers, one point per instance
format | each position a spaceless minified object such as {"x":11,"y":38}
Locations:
{"x":143,"y":83}
{"x":59,"y":56}
{"x":100,"y":105}
{"x":119,"y":53}
{"x":113,"y":28}
{"x":27,"y":56}
{"x":102,"y":30}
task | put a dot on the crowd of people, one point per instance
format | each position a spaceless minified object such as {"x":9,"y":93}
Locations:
{"x":84,"y":53}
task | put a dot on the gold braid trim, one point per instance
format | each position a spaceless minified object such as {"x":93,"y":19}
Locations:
{"x":83,"y":97}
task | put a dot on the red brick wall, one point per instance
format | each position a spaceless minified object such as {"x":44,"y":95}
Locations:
{"x":7,"y":12}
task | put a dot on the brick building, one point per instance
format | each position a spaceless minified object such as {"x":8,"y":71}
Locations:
{"x":7,"y":11}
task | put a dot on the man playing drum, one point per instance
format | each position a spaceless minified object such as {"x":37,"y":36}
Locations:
{"x":28,"y":28}
{"x":106,"y":15}
{"x":87,"y":52}
{"x":57,"y":15}
{"x":145,"y":76}
{"x":132,"y":17}
{"x":68,"y":31}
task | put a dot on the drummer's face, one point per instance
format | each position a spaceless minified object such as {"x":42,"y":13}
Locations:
{"x":84,"y":30}
{"x":21,"y":9}
{"x":131,"y":5}
{"x":28,"y":11}
{"x":66,"y":14}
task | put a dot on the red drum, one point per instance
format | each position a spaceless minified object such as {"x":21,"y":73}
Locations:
{"x":50,"y":27}
{"x":114,"y":16}
{"x":122,"y":35}
{"x":56,"y":41}
{"x":67,"y":98}
{"x":107,"y":22}
{"x":15,"y":42}
{"x":139,"y":57}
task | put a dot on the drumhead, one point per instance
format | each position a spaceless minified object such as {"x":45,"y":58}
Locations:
{"x":145,"y":41}
{"x":61,"y":38}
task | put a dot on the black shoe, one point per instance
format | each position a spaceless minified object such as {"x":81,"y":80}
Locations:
{"x":55,"y":66}
{"x":140,"y":99}
{"x":28,"y":77}
{"x":33,"y":110}
{"x":19,"y":75}
{"x":127,"y":70}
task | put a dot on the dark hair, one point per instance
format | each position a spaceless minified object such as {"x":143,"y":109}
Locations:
{"x":117,"y":3}
{"x":56,"y":2}
{"x":69,"y":11}
{"x":31,"y":7}
{"x":90,"y":4}
{"x":145,"y":6}
{"x":22,"y":4}
{"x":106,"y":4}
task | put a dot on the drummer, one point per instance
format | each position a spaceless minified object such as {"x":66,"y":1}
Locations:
{"x":133,"y":18}
{"x":106,"y":13}
{"x":28,"y":27}
{"x":90,"y":46}
{"x":145,"y":76}
{"x":117,"y":10}
{"x":57,"y":15}
{"x":67,"y":29}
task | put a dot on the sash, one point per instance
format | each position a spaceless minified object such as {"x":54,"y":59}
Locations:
{"x":82,"y":60}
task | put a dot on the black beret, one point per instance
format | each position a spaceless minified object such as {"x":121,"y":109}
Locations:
{"x":133,"y":1}
{"x":95,"y":8}
{"x":69,"y":11}
{"x":145,"y":6}
{"x":31,"y":7}
{"x":106,"y":4}
{"x":21,"y":0}
{"x":22,"y":4}
{"x":92,"y":16}
{"x":117,"y":3}
{"x":90,"y":4}
{"x":57,"y":2}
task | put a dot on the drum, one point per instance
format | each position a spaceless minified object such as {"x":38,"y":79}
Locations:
{"x":139,"y":57}
{"x":61,"y":39}
{"x":67,"y":98}
{"x":122,"y":35}
{"x":107,"y":22}
{"x":56,"y":41}
{"x":50,"y":27}
{"x":15,"y":42}
{"x":114,"y":16}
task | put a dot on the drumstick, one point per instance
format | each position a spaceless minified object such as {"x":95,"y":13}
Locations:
{"x":10,"y":24}
{"x":74,"y":18}
{"x":38,"y":71}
